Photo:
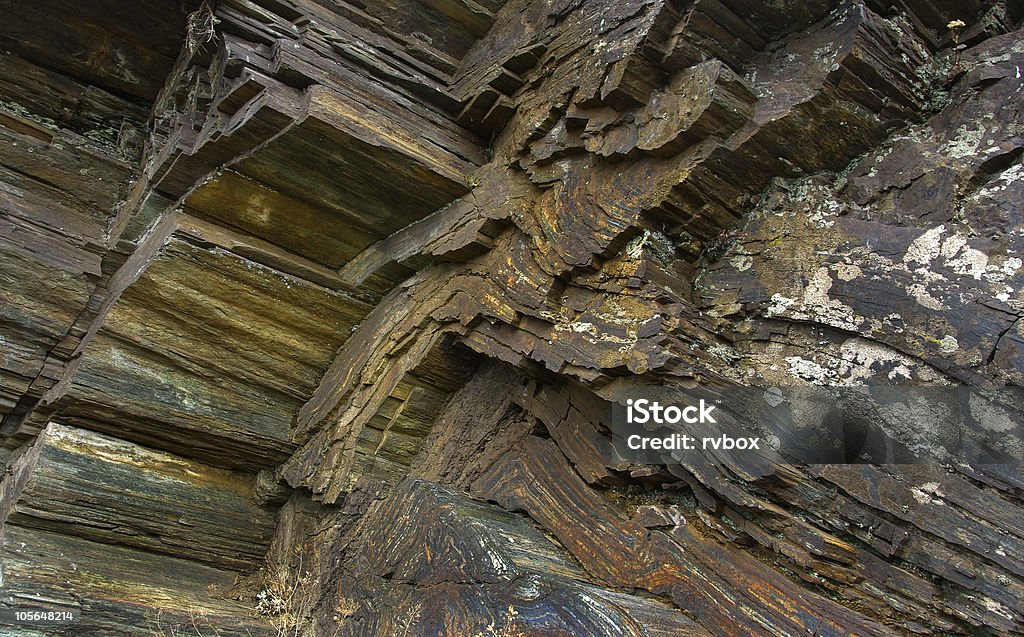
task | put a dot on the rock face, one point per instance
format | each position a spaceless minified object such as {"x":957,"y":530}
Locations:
{"x":313,"y":313}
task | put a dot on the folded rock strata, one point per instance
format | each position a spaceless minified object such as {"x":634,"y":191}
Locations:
{"x":313,"y":314}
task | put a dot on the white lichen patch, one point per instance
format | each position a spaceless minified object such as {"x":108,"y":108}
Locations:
{"x":989,"y":416}
{"x":863,"y":359}
{"x":1011,"y":175}
{"x":948,"y":344}
{"x":741,"y":262}
{"x":921,"y":294}
{"x":952,"y":245}
{"x":580,"y":327}
{"x":912,"y":422}
{"x":924,"y":249}
{"x":999,"y":272}
{"x":846,"y":271}
{"x":778,"y":305}
{"x":815,"y":304}
{"x":818,"y":305}
{"x":810,"y":370}
{"x":963,"y":259}
{"x":966,"y":142}
{"x":724,"y":353}
{"x":924,"y":493}
{"x":971,"y":263}
{"x":823,"y":218}
{"x":635,"y":248}
{"x":995,"y":189}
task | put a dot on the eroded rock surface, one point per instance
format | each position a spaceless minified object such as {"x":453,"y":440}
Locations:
{"x":313,"y":314}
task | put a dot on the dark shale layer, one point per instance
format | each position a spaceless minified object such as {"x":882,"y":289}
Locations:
{"x":312,"y":312}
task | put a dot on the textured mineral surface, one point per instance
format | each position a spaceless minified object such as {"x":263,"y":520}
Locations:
{"x":313,"y":312}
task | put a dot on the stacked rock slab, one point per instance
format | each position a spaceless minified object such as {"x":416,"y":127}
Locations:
{"x":313,"y":313}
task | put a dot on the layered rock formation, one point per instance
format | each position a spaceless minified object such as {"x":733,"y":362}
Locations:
{"x":314,"y":312}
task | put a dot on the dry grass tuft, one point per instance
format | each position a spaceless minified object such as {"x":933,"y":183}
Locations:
{"x":287,"y":599}
{"x":200,"y":28}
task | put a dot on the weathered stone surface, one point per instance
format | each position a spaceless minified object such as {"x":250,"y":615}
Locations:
{"x":121,"y":49}
{"x":57,"y":189}
{"x":729,"y":592}
{"x":313,"y":314}
{"x":116,"y":590}
{"x":465,"y":566}
{"x":914,"y":249}
{"x":111,"y":491}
